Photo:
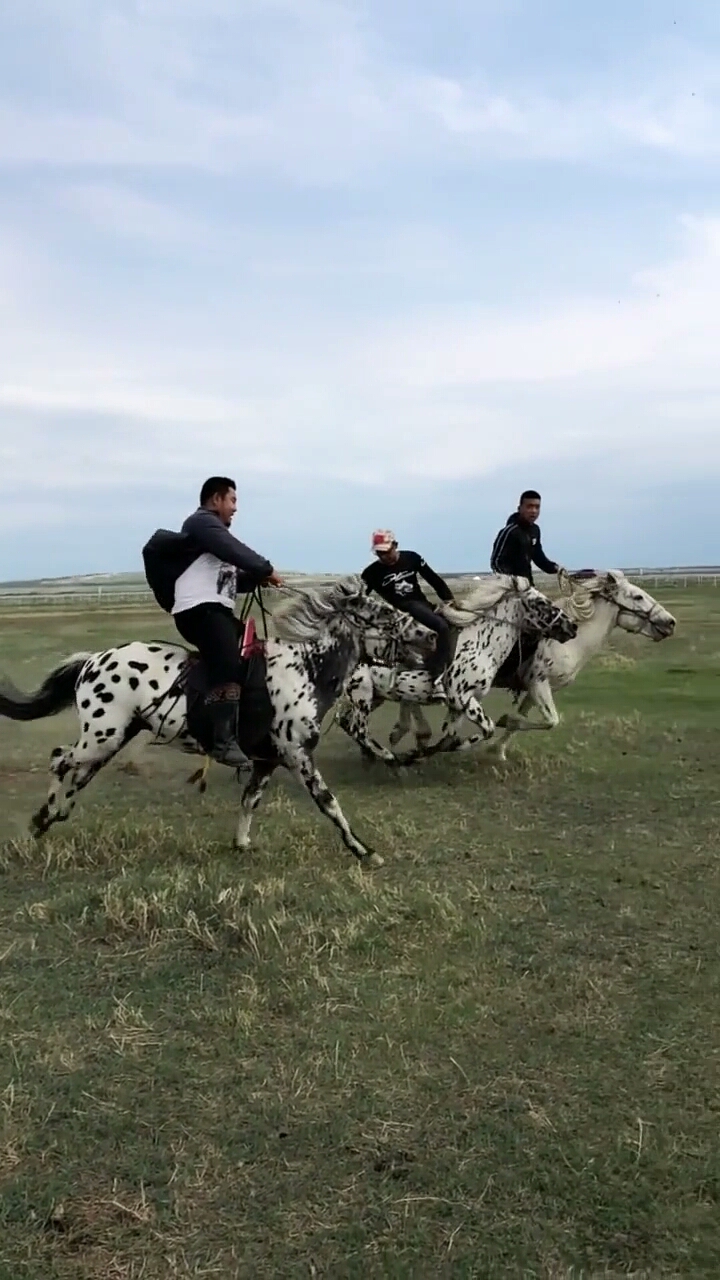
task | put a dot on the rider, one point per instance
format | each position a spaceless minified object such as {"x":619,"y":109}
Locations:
{"x":394,"y":575}
{"x":204,"y":606}
{"x":517,"y":546}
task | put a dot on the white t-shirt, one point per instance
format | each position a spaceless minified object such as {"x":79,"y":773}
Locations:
{"x":207,"y":581}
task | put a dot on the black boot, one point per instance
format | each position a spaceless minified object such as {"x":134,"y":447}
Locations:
{"x":222,"y":705}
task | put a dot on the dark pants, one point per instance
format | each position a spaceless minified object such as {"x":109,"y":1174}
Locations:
{"x":424,"y":613}
{"x":214,"y":631}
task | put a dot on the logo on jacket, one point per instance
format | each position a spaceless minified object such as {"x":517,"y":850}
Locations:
{"x":402,"y":582}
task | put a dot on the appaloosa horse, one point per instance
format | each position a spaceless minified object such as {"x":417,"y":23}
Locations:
{"x":140,"y":686}
{"x":489,"y":623}
{"x":598,"y":603}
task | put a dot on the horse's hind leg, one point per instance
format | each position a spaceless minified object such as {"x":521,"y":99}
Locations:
{"x":262,"y":772}
{"x":401,"y":728}
{"x":304,"y":769}
{"x":72,"y":768}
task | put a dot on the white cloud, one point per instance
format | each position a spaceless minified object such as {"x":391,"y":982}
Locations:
{"x":314,"y":92}
{"x":300,"y":333}
{"x":457,"y":394}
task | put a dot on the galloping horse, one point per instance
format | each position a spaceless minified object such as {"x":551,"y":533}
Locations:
{"x":138,"y":686}
{"x":489,"y":623}
{"x":598,"y":605}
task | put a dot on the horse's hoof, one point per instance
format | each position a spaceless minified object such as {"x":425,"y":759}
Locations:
{"x":502,"y":722}
{"x":375,"y":860}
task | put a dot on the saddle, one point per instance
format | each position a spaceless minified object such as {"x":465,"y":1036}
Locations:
{"x":255,"y":710}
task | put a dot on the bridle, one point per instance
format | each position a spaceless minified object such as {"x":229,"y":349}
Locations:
{"x":387,"y":655}
{"x":645,"y":615}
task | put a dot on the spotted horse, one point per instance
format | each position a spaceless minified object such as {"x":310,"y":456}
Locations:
{"x":488,"y":624}
{"x":139,"y":686}
{"x":600,"y":601}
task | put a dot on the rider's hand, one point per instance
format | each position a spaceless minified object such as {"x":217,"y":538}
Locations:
{"x":273,"y":581}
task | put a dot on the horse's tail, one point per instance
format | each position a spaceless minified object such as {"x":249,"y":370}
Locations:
{"x":56,"y":693}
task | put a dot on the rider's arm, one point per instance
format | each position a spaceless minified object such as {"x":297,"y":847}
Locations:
{"x":372,"y":577}
{"x":508,"y":555}
{"x":540,"y":559}
{"x":434,"y":580}
{"x":210,"y":534}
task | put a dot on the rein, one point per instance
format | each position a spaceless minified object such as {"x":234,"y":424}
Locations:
{"x":255,"y":597}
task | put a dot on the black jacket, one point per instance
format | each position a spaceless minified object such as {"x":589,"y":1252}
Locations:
{"x":517,"y":548}
{"x":398,"y":583}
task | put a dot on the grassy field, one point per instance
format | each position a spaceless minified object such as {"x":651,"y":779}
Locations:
{"x":497,"y":1056}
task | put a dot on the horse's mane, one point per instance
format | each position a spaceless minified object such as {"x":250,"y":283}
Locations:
{"x":578,"y":595}
{"x":308,"y":611}
{"x":484,"y":596}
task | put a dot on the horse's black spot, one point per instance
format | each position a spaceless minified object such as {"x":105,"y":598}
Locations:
{"x":153,"y":684}
{"x":112,"y":666}
{"x":153,"y":648}
{"x":110,"y":733}
{"x":86,"y":727}
{"x":133,"y":682}
{"x":85,"y":703}
{"x":115,"y":679}
{"x":99,"y":687}
{"x":139,"y":666}
{"x":97,"y":715}
{"x":107,"y":697}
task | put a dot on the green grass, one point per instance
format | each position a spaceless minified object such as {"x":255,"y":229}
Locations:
{"x":497,"y":1056}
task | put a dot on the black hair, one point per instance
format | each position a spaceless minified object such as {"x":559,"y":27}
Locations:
{"x":216,"y":487}
{"x":530,"y":495}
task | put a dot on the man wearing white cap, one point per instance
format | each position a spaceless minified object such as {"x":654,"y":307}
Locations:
{"x":394,"y":575}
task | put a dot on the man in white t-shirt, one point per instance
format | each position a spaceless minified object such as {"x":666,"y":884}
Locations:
{"x":220,"y":567}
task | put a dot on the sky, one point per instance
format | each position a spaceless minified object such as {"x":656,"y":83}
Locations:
{"x":383,"y":264}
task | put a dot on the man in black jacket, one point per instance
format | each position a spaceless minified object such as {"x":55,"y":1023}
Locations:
{"x":394,"y":575}
{"x":517,"y":547}
{"x":204,"y":608}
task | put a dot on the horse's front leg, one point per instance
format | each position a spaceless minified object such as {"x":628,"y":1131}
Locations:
{"x":449,"y":740}
{"x":302,"y":765}
{"x":423,"y":731}
{"x":360,"y":700}
{"x":409,"y":713}
{"x":540,"y":695}
{"x":262,"y":771}
{"x":461,"y":706}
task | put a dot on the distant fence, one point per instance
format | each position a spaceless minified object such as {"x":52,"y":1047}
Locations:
{"x":106,"y":597}
{"x":116,"y":597}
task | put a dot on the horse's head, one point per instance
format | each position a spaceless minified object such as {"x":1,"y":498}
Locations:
{"x":638,"y":611}
{"x":403,"y":642}
{"x":542,"y":617}
{"x":378,"y":620}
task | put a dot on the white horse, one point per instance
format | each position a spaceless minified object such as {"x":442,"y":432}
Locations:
{"x":495,"y":615}
{"x":598,"y":605}
{"x":295,"y":681}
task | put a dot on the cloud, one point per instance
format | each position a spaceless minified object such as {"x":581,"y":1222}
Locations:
{"x":459,"y":392}
{"x":321,"y":93}
{"x":335,"y":244}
